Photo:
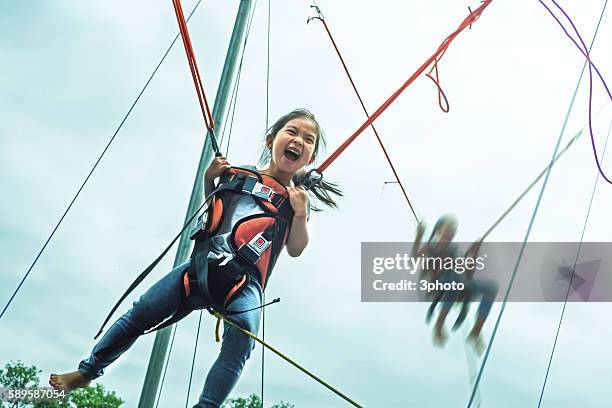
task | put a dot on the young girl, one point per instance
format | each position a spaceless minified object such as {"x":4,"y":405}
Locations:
{"x":440,"y":245}
{"x":267,"y":209}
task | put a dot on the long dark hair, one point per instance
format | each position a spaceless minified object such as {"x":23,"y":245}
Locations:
{"x":321,"y":192}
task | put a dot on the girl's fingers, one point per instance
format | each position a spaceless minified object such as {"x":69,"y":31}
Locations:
{"x":296,"y":190}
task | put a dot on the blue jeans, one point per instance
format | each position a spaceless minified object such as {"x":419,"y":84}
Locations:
{"x":159,"y":303}
{"x":486,"y":289}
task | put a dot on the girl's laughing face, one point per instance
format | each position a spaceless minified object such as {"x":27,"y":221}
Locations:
{"x":294,"y":145}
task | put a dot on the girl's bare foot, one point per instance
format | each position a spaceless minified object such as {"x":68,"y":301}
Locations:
{"x":68,"y":381}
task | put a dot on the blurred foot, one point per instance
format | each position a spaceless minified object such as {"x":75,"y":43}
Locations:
{"x":475,"y":340}
{"x":68,"y":381}
{"x":439,"y":337}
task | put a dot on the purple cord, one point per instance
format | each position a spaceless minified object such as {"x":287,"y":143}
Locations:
{"x":576,"y":44}
{"x":585,"y":51}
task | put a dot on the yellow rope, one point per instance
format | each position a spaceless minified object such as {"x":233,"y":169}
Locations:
{"x":284,"y":357}
{"x":217,"y":327}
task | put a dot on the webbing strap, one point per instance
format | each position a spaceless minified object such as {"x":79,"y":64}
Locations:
{"x":235,"y":184}
{"x":152,"y":266}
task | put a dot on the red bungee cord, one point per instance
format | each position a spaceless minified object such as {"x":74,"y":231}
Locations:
{"x":434,"y":59}
{"x":195,"y":73}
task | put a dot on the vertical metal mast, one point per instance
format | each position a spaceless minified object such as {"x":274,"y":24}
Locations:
{"x":162,"y":338}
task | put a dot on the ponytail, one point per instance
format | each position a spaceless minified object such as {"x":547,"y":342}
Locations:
{"x":320,"y":192}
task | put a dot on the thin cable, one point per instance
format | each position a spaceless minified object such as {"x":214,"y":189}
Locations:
{"x":531,"y":221}
{"x":96,"y":164}
{"x":263,"y":311}
{"x":161,"y":385}
{"x":365,"y":110}
{"x":591,"y":67}
{"x":235,"y":87}
{"x":195,"y":350}
{"x":586,"y":220}
{"x":287,"y":359}
{"x":234,"y":96}
{"x":230,"y":112}
{"x":231,"y":127}
{"x":268,"y":64}
{"x":435,"y":57}
{"x":601,"y":78}
{"x":535,"y":181}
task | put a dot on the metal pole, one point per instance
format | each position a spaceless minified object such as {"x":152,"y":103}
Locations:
{"x":162,"y":338}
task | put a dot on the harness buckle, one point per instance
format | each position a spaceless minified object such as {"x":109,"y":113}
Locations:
{"x":254,"y":187}
{"x":198,"y":228}
{"x":253,"y":249}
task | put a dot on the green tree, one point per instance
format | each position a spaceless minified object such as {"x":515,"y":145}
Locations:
{"x":96,"y":397}
{"x":252,"y":401}
{"x":18,"y":375}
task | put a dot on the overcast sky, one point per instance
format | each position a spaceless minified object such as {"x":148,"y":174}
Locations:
{"x":70,"y":70}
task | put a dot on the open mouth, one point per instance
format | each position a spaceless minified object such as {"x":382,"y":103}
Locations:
{"x":292,"y":153}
